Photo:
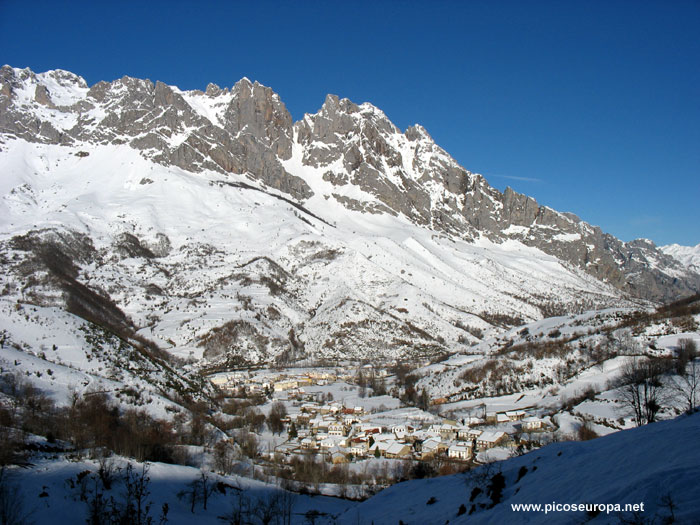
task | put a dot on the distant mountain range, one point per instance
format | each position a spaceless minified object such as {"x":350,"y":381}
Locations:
{"x":209,"y":224}
{"x":687,"y":255}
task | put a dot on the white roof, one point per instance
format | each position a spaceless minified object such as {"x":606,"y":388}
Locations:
{"x":395,"y":448}
{"x":382,"y":445}
{"x":430,"y":444}
{"x":490,"y":436}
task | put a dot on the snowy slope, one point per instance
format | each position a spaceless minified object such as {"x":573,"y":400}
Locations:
{"x":183,"y":253}
{"x":563,"y":367}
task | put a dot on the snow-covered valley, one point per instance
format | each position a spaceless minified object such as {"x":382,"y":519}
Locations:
{"x":154,"y":239}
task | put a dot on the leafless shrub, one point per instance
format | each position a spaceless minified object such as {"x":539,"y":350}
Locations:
{"x":641,"y":388}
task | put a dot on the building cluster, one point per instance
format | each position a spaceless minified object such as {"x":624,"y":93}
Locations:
{"x":347,"y":433}
{"x":234,"y":383}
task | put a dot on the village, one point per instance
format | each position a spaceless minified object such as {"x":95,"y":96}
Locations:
{"x":327,"y":413}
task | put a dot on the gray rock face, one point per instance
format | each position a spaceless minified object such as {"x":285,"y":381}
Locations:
{"x":252,"y":139}
{"x":256,"y":110}
{"x":248,"y":130}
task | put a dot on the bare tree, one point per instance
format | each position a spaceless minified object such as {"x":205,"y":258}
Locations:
{"x":224,"y":457}
{"x":240,"y":510}
{"x":687,"y":351}
{"x":248,"y":442}
{"x":137,"y":502}
{"x":641,"y":388}
{"x":686,"y":385}
{"x":265,"y":509}
{"x":274,"y":419}
{"x":586,"y":431}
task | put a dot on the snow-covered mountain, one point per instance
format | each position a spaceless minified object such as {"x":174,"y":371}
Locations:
{"x":688,"y":255}
{"x":213,"y":225}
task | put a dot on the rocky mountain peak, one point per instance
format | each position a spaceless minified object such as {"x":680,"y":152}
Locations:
{"x":214,"y":90}
{"x":257,"y":110}
{"x":417,"y":132}
{"x":63,"y":78}
{"x":333,"y":107}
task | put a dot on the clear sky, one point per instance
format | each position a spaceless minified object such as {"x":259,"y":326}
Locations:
{"x":591,"y":107}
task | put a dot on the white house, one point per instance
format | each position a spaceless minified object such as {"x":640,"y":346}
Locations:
{"x":398,"y":429}
{"x":359,"y":448}
{"x":349,"y":419}
{"x":382,"y":446}
{"x":515,"y":415}
{"x":463,"y":433}
{"x":336,"y":429}
{"x":308,"y":443}
{"x":474,"y":433}
{"x":448,"y":431}
{"x":429,"y":448}
{"x":459,"y":451}
{"x":532,"y":423}
{"x":490,"y":439}
{"x":332,"y":442}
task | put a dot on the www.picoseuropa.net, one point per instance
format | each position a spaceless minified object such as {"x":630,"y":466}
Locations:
{"x":577,"y":507}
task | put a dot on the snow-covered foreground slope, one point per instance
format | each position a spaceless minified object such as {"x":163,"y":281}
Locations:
{"x":647,"y":465}
{"x":60,"y":492}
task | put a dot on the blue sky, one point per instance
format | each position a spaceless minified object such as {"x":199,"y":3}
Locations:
{"x":591,"y":107}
